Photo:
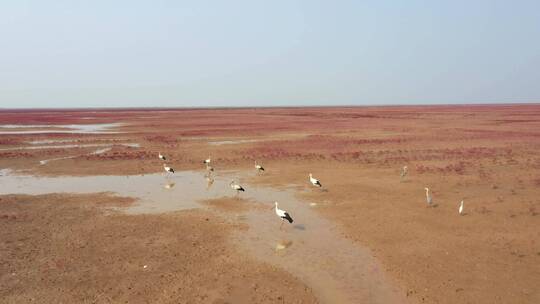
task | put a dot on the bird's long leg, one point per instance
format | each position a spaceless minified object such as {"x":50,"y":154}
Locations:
{"x":281,"y":225}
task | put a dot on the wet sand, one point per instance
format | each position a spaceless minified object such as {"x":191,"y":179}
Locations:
{"x":65,"y":249}
{"x":402,"y":250}
{"x":335,"y":268}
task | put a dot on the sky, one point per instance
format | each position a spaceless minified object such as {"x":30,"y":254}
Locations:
{"x":267,"y":53}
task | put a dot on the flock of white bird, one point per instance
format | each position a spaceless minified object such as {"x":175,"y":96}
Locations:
{"x":282,"y":214}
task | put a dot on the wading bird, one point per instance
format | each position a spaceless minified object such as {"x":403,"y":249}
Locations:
{"x":284,"y":215}
{"x":258,"y":167}
{"x":162,"y":157}
{"x":429,"y":199}
{"x":169,"y":170}
{"x":404,"y":172}
{"x":314,"y":181}
{"x":461,"y":208}
{"x":207,"y":161}
{"x":236,"y":187}
{"x":209,"y":168}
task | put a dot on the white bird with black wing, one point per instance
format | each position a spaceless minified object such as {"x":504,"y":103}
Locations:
{"x":161,"y":156}
{"x":315,"y":182}
{"x":258,"y":167}
{"x":167,"y":169}
{"x":284,"y":215}
{"x":236,"y":187}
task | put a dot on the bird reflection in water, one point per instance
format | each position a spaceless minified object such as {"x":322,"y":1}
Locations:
{"x":209,"y":181}
{"x":169,"y":185}
{"x":284,"y":244}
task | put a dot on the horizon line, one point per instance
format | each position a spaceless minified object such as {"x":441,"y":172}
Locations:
{"x":114,"y":108}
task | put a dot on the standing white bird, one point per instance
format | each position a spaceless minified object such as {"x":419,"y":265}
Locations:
{"x":207,"y":161}
{"x":429,"y":199}
{"x":169,"y":170}
{"x":404,"y":172}
{"x":209,"y":168}
{"x":258,"y":167}
{"x":461,"y":208}
{"x":161,"y":156}
{"x":284,"y":215}
{"x":236,"y":187}
{"x":314,"y":181}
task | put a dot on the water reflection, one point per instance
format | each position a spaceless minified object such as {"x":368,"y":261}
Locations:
{"x":169,"y":185}
{"x":209,"y":181}
{"x":232,"y":142}
{"x":284,"y":244}
{"x":42,"y":129}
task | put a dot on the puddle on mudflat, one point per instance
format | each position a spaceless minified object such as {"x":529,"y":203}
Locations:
{"x":73,"y":140}
{"x":76,"y":129}
{"x":51,"y":141}
{"x":312,"y":248}
{"x":150,"y":190}
{"x":71,"y":146}
{"x":233,"y":142}
{"x":337,"y":270}
{"x":108,"y":147}
{"x":46,"y":161}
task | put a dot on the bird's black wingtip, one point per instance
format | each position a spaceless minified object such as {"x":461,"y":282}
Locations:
{"x":288,"y":218}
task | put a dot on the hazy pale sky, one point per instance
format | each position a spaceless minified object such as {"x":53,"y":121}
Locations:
{"x":258,"y":53}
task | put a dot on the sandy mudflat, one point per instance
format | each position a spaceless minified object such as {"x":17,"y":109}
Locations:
{"x":73,"y":248}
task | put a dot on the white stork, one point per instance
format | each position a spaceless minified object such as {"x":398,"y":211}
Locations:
{"x":404,"y":172}
{"x":161,"y":156}
{"x":207,"y":161}
{"x":284,"y":215}
{"x":258,"y":167}
{"x":429,"y":198}
{"x":460,"y":210}
{"x":236,"y":187}
{"x":169,"y":170}
{"x":314,"y":181}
